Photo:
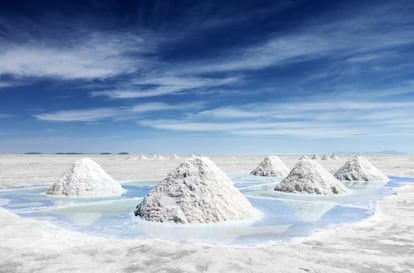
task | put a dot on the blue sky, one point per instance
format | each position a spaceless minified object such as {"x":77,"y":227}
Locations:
{"x":206,"y":76}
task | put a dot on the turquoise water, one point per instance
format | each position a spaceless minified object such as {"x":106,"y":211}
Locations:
{"x":286,"y":217}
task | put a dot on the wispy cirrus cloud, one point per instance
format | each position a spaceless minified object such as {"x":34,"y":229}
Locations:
{"x":92,"y":57}
{"x":160,"y":106}
{"x":316,"y":117}
{"x":3,"y":115}
{"x":164,"y":86}
{"x":116,"y":113}
{"x":358,"y":38}
{"x":79,"y":115}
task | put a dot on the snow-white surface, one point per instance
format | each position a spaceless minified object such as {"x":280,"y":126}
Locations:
{"x":309,"y":177}
{"x":85,"y":178}
{"x":271,"y":166}
{"x":197,"y":191}
{"x":383,"y":243}
{"x":360,"y":169}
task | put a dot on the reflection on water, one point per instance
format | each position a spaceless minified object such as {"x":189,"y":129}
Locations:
{"x":286,"y":216}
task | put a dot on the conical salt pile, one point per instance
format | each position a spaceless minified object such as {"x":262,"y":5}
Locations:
{"x":325,"y":157}
{"x":143,"y":157}
{"x":314,"y":157}
{"x":308,"y":176}
{"x":86,"y":178}
{"x":197,"y":191}
{"x":271,"y":166}
{"x":334,"y":157}
{"x":360,"y":169}
{"x":175,"y":156}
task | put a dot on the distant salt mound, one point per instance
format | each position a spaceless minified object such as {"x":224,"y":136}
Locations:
{"x":314,"y":157}
{"x":271,"y":166}
{"x":85,"y":178}
{"x":157,"y":157}
{"x":197,"y":191}
{"x":303,"y":157}
{"x":175,"y":157}
{"x":334,"y":157}
{"x":360,"y":169}
{"x":309,"y":177}
{"x":325,"y":157}
{"x":143,"y":157}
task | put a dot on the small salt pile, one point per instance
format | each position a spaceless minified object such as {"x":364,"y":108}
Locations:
{"x":309,"y":177}
{"x":143,"y":157}
{"x":360,"y":169}
{"x":325,"y":157}
{"x":85,"y":178}
{"x":334,"y":157}
{"x":271,"y":166}
{"x":314,"y":157}
{"x":197,"y":191}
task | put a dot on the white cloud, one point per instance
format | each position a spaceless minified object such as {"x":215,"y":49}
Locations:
{"x":159,"y":106}
{"x":360,"y":35}
{"x":315,"y":117}
{"x":116,"y":113}
{"x":164,"y":86}
{"x":79,"y":115}
{"x":97,"y":56}
{"x":2,"y":115}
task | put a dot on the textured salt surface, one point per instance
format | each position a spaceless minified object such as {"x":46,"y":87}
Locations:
{"x":309,"y":177}
{"x":360,"y":169}
{"x":271,"y":166}
{"x":380,"y":244}
{"x":285,"y":216}
{"x":197,"y":191}
{"x":85,"y":178}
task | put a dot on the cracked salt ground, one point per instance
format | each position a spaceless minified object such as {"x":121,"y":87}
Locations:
{"x":285,"y":216}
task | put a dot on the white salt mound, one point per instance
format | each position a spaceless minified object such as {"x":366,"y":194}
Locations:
{"x":157,"y":157}
{"x":314,"y":157}
{"x":143,"y":157}
{"x":334,"y":157}
{"x":360,"y":169}
{"x":309,"y":177}
{"x":197,"y":191}
{"x":271,"y":166}
{"x":325,"y":157}
{"x":85,"y":178}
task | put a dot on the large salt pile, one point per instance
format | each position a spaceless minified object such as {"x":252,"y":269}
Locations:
{"x":359,"y":169}
{"x":271,"y":166}
{"x":197,"y":191}
{"x":308,"y":176}
{"x":85,"y":178}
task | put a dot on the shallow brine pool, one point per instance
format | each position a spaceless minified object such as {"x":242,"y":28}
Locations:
{"x":285,"y":216}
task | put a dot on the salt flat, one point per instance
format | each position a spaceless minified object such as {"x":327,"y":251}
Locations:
{"x":383,"y":243}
